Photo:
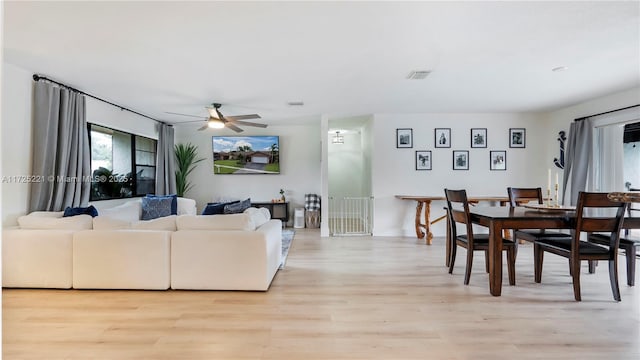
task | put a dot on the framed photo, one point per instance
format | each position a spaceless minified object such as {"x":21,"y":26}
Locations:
{"x":404,"y":138}
{"x":460,"y":160}
{"x":423,"y":160}
{"x":442,"y":137}
{"x":479,"y":138}
{"x":517,"y":137}
{"x":498,"y":160}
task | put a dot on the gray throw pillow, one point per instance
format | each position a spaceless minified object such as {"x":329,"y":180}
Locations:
{"x":156,"y":207}
{"x":238,"y":207}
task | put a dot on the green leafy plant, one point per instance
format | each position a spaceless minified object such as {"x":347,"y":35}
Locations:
{"x":185,"y":163}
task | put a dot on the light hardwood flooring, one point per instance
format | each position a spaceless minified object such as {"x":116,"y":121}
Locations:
{"x":339,"y":298}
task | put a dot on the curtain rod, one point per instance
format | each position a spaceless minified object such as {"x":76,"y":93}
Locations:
{"x":37,"y":77}
{"x":606,"y":112}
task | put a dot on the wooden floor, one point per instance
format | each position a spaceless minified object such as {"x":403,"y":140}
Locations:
{"x":339,"y":298}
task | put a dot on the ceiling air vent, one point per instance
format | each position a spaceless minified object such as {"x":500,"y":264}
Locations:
{"x":295,"y":103}
{"x":418,"y":74}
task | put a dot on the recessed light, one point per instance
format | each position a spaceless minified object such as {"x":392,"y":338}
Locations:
{"x":560,"y":68}
{"x":295,"y":103}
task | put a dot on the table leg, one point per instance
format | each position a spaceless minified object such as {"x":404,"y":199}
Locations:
{"x":419,"y":232}
{"x":495,"y":258}
{"x":427,"y":223}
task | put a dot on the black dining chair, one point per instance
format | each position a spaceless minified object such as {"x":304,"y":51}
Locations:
{"x":587,"y":219}
{"x":522,"y":196}
{"x":630,"y":251}
{"x":470,"y":240}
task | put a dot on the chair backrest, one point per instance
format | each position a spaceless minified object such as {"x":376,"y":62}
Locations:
{"x":456,"y":215}
{"x":595,"y":213}
{"x":519,"y":196}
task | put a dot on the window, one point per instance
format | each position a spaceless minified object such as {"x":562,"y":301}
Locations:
{"x":122,"y":164}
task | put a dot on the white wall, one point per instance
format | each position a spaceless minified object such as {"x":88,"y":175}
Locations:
{"x":16,"y":140}
{"x":300,"y":147}
{"x":394,"y":169}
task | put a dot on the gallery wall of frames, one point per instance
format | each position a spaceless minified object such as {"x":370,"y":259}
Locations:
{"x":478,"y":138}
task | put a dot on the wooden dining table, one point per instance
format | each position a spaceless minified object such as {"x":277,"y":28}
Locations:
{"x":498,"y":219}
{"x":424,"y":202}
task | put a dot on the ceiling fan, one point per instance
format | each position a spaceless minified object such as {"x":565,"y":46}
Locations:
{"x":218,"y":121}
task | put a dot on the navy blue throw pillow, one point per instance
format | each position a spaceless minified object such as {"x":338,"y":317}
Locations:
{"x":216,"y":208}
{"x":156,"y":207}
{"x":174,"y":201}
{"x":237,"y":207}
{"x":90,"y":210}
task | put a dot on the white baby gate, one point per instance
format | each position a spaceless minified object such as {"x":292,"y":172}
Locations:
{"x":350,"y":216}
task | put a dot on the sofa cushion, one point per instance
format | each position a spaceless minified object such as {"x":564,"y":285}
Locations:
{"x":110,"y":223}
{"x":80,"y":222}
{"x":74,"y":211}
{"x":238,"y":207}
{"x":167,"y":223}
{"x":52,"y":214}
{"x":215,"y":222}
{"x":156,"y":207}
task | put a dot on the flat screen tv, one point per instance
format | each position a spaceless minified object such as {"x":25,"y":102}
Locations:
{"x":247,"y":155}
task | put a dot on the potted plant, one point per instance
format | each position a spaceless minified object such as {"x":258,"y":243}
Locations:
{"x":185,"y":163}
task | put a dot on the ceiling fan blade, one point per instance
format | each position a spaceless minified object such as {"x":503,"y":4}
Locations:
{"x":243,"y":117}
{"x":204,"y":127}
{"x":189,"y":122}
{"x":247,"y":123}
{"x":232,"y":127}
{"x":172,"y":113}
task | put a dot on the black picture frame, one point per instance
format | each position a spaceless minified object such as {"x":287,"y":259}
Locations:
{"x":479,"y":137}
{"x":460,"y":159}
{"x":498,"y":160}
{"x":423,"y":160}
{"x":404,"y":138}
{"x":517,"y":137}
{"x":442,"y":137}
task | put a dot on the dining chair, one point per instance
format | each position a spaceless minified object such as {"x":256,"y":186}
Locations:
{"x":522,"y":196}
{"x":628,"y":245}
{"x":470,"y":240}
{"x":587,"y":219}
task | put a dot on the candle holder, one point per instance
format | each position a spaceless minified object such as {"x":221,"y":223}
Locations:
{"x":548,"y":197}
{"x":556,"y":196}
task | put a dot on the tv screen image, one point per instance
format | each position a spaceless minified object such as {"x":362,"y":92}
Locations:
{"x":246,"y":155}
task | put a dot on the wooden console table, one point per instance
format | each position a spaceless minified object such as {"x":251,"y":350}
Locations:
{"x":425,"y":202}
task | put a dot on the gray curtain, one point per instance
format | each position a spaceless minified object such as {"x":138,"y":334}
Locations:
{"x":61,"y":154}
{"x":577,"y":160}
{"x":165,"y":162}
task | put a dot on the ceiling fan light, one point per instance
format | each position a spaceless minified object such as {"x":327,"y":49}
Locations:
{"x":215,"y":124}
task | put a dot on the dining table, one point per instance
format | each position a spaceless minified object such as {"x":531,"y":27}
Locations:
{"x":497,"y":219}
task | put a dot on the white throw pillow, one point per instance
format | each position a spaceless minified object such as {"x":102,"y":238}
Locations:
{"x":79,"y":222}
{"x":216,"y":222}
{"x":130,"y":211}
{"x":165,"y":223}
{"x":257,"y":215}
{"x":186,"y":206}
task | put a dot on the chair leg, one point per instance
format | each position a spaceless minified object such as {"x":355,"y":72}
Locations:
{"x":486,"y":261}
{"x":467,"y":271}
{"x":511,"y":265}
{"x":613,"y":279}
{"x":452,"y":261}
{"x":575,"y":275}
{"x":538,"y":257}
{"x":630,"y":253}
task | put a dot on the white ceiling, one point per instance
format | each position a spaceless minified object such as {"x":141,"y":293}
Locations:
{"x":340,"y":58}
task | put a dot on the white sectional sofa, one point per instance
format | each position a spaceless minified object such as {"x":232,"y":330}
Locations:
{"x":115,"y":250}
